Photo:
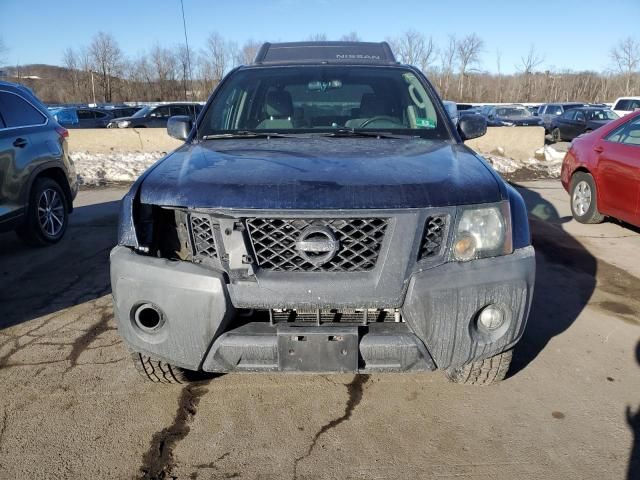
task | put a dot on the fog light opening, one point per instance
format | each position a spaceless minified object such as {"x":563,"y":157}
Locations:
{"x":491,"y":318}
{"x":148,"y":317}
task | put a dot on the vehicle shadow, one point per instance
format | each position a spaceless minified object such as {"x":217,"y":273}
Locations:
{"x":633,"y":419}
{"x":39,"y":281}
{"x":565,"y":279}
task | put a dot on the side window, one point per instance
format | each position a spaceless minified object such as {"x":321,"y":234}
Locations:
{"x":2,"y":125}
{"x":580,"y":116}
{"x":17,"y":112}
{"x":179,"y":110}
{"x":628,"y":133}
{"x":554,"y":110}
{"x":622,"y":105}
{"x":100,"y":115}
{"x":635,"y":104}
{"x":569,"y":115}
{"x":161,"y":112}
{"x":66,"y":117}
{"x":632,"y":134}
{"x":85,"y":115}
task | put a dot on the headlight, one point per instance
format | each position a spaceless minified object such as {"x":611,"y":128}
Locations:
{"x":124,"y":123}
{"x":483,"y":231}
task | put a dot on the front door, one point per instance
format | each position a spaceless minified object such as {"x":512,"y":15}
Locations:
{"x":618,"y":172}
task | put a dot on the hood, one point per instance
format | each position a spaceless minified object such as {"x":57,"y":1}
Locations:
{"x":118,"y":119}
{"x":533,"y":120}
{"x":320,"y":173}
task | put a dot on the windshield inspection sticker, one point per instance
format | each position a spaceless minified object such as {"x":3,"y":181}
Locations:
{"x":425,"y":123}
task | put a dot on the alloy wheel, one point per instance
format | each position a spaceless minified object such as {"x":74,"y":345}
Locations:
{"x":51,"y":213}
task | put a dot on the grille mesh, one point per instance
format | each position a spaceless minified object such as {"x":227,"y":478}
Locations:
{"x":274,"y":241}
{"x":344,"y":315}
{"x":202,"y":238}
{"x":433,"y":237}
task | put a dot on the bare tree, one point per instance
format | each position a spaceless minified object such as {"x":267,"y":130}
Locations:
{"x":468,"y":52}
{"x":216,"y":59}
{"x":527,"y":66}
{"x":626,"y":57}
{"x":414,"y":48}
{"x":499,"y":65}
{"x":70,"y":61}
{"x":165,"y":65}
{"x":247,"y":52}
{"x":184,"y":58}
{"x":106,"y":57}
{"x":317,"y":37}
{"x":447,"y":63}
{"x":350,"y":37}
{"x":3,"y":52}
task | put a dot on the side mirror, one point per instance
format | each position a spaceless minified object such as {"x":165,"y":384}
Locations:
{"x":472,"y":126}
{"x":179,"y":126}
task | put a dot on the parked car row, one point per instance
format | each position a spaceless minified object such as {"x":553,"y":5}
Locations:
{"x":577,"y":121}
{"x":156,"y":116}
{"x":79,"y":116}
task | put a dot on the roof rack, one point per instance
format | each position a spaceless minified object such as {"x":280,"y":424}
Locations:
{"x":325,"y":52}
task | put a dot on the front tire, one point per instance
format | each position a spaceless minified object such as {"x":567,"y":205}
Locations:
{"x":556,"y":135}
{"x":482,"y":372}
{"x":584,"y":199}
{"x":157,"y":371}
{"x":47,"y":214}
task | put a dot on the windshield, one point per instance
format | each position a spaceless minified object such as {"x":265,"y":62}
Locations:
{"x":601,"y":115}
{"x":308,"y":99}
{"x":513,"y":112}
{"x":143,"y":112}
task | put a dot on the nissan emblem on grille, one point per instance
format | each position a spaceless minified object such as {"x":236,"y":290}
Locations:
{"x":317,"y":244}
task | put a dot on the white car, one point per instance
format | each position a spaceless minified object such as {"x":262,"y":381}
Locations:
{"x":625,"y":105}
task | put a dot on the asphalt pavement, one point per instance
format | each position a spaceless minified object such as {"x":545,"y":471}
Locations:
{"x":73,"y":406}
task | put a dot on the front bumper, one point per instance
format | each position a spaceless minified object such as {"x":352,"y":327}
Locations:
{"x":439,"y":306}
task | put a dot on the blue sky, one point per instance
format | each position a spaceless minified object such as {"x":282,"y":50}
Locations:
{"x":574,"y":34}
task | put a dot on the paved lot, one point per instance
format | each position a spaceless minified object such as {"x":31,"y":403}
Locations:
{"x":72,"y":405}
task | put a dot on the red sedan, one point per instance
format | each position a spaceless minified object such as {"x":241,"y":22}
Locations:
{"x":601,"y":172}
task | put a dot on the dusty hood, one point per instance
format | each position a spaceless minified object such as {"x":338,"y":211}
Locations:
{"x":318,"y":173}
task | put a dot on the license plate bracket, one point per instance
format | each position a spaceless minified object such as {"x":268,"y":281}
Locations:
{"x":320,"y":349}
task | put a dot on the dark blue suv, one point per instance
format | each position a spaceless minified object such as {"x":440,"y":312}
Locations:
{"x":323,"y":215}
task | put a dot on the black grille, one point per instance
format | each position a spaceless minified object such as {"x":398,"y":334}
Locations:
{"x":433,"y":238}
{"x":202,"y":238}
{"x":274,"y":241}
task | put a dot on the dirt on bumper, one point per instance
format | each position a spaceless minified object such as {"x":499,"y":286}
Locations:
{"x":197,"y":328}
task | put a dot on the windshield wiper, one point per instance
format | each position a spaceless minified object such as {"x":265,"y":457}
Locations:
{"x":249,"y":134}
{"x":351,"y":132}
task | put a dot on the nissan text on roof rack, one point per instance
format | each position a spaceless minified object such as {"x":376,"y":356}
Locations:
{"x":323,"y":215}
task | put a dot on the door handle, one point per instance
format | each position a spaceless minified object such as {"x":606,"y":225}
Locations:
{"x":598,"y":149}
{"x":20,"y":143}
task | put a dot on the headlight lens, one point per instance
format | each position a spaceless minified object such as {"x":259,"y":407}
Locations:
{"x":124,"y":123}
{"x":483,"y":232}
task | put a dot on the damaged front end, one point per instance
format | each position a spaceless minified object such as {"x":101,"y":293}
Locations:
{"x":317,"y":291}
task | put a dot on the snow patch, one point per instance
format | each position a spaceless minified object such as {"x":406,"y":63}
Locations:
{"x":547,"y":164}
{"x":102,"y":168}
{"x":125,"y":167}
